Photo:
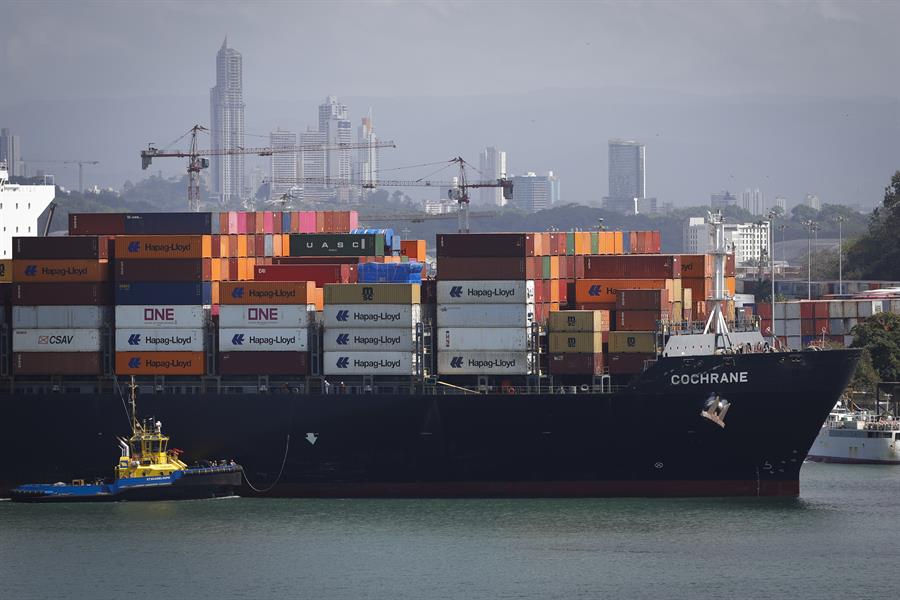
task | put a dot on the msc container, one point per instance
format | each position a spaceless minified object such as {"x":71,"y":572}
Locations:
{"x":657,"y":300}
{"x":487,"y":268}
{"x":159,"y":363}
{"x":60,"y":270}
{"x":6,"y":270}
{"x":485,"y":315}
{"x":185,"y":223}
{"x":263,"y":363}
{"x":485,"y":244}
{"x":576,"y":364}
{"x":389,"y":340}
{"x":56,"y":340}
{"x":579,"y":320}
{"x":336,"y":244}
{"x":58,"y":363}
{"x":476,"y":362}
{"x":393,"y":316}
{"x":284,"y":316}
{"x":576,"y":341}
{"x":164,"y":292}
{"x":633,"y":266}
{"x":370,"y":363}
{"x":247,"y":339}
{"x":162,"y":246}
{"x":160,"y":316}
{"x":159,"y":340}
{"x":61,"y":294}
{"x":486,"y":292}
{"x":60,"y":247}
{"x":319,"y":274}
{"x":373,"y":293}
{"x":628,"y":363}
{"x":156,"y":269}
{"x":62,"y":317}
{"x":482,"y":338}
{"x":96,"y":223}
{"x":267,"y":292}
{"x":632,"y":341}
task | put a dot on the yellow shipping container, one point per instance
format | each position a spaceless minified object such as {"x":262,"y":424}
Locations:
{"x":632,"y":341}
{"x":373,"y":293}
{"x":582,"y":342}
{"x":579,"y":320}
{"x":619,"y":243}
{"x":5,"y":271}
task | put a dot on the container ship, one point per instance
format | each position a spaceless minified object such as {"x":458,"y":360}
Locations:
{"x":326,"y":360}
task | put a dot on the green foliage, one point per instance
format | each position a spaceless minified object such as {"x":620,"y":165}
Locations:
{"x":876,"y":255}
{"x":880,"y":335}
{"x":865,"y":378}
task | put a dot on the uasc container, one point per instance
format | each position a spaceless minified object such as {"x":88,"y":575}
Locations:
{"x":336,"y":244}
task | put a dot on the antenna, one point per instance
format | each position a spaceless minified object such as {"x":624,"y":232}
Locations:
{"x":716,"y":321}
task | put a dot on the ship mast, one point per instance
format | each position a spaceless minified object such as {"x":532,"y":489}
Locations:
{"x":135,"y":425}
{"x":716,"y":322}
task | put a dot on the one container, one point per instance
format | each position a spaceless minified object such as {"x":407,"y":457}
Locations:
{"x":496,"y":362}
{"x":60,"y":247}
{"x":282,"y":316}
{"x":61,"y":317}
{"x":61,"y":294}
{"x":163,"y":292}
{"x":482,"y":338}
{"x":486,"y":268}
{"x":485,"y":315}
{"x":267,"y":292}
{"x":336,"y":244}
{"x":156,"y":269}
{"x":579,"y":342}
{"x":579,"y":320}
{"x":632,"y":341}
{"x":56,"y":340}
{"x":163,"y":246}
{"x":263,"y":363}
{"x":391,"y":316}
{"x":485,"y":244}
{"x":373,"y":293}
{"x":58,"y":363}
{"x":576,"y":364}
{"x":27,"y":270}
{"x":485,"y":292}
{"x":369,"y":363}
{"x":159,"y":363}
{"x":247,"y":339}
{"x":167,"y":316}
{"x":390,"y":340}
{"x":159,"y":340}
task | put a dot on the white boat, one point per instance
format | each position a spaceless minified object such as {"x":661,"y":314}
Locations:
{"x":857,"y":437}
{"x":20,"y":207}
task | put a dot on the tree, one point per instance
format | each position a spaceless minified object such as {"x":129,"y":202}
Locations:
{"x":880,"y":336}
{"x":865,"y":378}
{"x":876,"y":255}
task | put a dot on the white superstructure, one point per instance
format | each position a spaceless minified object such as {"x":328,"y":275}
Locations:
{"x":857,"y":438}
{"x":20,"y":207}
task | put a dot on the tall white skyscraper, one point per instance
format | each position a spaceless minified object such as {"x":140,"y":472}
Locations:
{"x":534,"y":192}
{"x":11,"y":153}
{"x":366,"y":170}
{"x":284,"y":164}
{"x":226,"y":111}
{"x":754,"y":201}
{"x":492,"y":164}
{"x":813,"y":202}
{"x":333,"y":122}
{"x":627,"y":175}
{"x":312,"y":165}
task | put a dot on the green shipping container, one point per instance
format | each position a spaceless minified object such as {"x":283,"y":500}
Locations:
{"x":595,"y":242}
{"x":336,"y":244}
{"x":570,"y":243}
{"x":545,"y":267}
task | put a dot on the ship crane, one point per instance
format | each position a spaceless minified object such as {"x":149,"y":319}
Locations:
{"x":197,"y":160}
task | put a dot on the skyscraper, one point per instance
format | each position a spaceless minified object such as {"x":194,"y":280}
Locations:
{"x":312,"y":165}
{"x":226,"y":115}
{"x":11,"y":153}
{"x":813,"y":202}
{"x":492,"y":164}
{"x":627,"y":175}
{"x":533,"y":192}
{"x":722,"y":199}
{"x":284,"y":164}
{"x":753,"y":201}
{"x":333,"y":122}
{"x":366,"y":170}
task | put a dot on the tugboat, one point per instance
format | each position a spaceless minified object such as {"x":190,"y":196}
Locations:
{"x":147,"y":470}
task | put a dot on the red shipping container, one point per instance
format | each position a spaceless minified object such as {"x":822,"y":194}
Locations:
{"x":576,"y":364}
{"x":627,"y":363}
{"x":58,"y":363}
{"x":260,"y":245}
{"x":656,"y":300}
{"x":806,"y":310}
{"x":807,"y":326}
{"x":263,"y":363}
{"x":321,"y":274}
{"x":473,"y":245}
{"x":233,"y":269}
{"x":61,"y":294}
{"x":563,"y":287}
{"x":491,"y":268}
{"x":260,"y":222}
{"x":764,"y":310}
{"x":639,"y":320}
{"x":632,"y":266}
{"x":157,"y":269}
{"x":729,"y":265}
{"x":96,"y":224}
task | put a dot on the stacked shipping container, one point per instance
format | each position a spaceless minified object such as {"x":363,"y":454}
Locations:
{"x":576,"y":341}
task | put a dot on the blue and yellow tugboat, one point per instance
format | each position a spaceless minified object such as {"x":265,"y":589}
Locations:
{"x":147,"y":470}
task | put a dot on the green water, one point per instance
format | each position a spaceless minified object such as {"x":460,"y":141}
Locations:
{"x":838,"y":541}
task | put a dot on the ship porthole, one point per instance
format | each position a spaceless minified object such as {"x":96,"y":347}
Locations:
{"x":658,"y":465}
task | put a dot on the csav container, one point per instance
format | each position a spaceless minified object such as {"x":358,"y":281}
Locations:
{"x":159,"y":340}
{"x":159,"y":363}
{"x":373,"y":293}
{"x":392,"y":316}
{"x":58,"y":363}
{"x":388,"y":340}
{"x":486,"y":292}
{"x":263,"y":363}
{"x":466,"y":362}
{"x":62,"y":317}
{"x":483,"y":338}
{"x":485,"y":315}
{"x":258,"y":339}
{"x":160,"y":316}
{"x":284,"y":316}
{"x":56,"y":340}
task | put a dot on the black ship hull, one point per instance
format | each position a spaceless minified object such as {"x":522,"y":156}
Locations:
{"x":666,"y":434}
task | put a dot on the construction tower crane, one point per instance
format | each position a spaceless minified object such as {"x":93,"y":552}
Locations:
{"x":459,"y":187}
{"x":80,"y":164}
{"x":197,"y":160}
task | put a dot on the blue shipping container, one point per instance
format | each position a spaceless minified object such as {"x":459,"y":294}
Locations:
{"x":168,"y":223}
{"x":410,"y":272}
{"x":168,"y":292}
{"x":286,"y":223}
{"x":390,"y":239}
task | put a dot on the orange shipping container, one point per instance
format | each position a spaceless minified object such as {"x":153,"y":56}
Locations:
{"x":267,"y":292}
{"x":159,"y":363}
{"x":164,"y":246}
{"x":414,"y":249}
{"x":214,"y":288}
{"x":730,"y":285}
{"x":25,"y":270}
{"x":593,"y":291}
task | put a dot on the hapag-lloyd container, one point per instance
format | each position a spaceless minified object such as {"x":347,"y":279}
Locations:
{"x":468,"y":362}
{"x":451,"y":268}
{"x":485,"y":315}
{"x":486,"y":292}
{"x":267,"y":292}
{"x":61,"y":317}
{"x":593,"y":291}
{"x":56,"y":340}
{"x":160,"y":316}
{"x":364,"y":339}
{"x":263,"y":363}
{"x":250,"y":339}
{"x":159,"y":363}
{"x":486,"y":244}
{"x":285,"y":316}
{"x":51,"y":294}
{"x":58,"y":363}
{"x":163,"y":246}
{"x":159,"y":340}
{"x":369,"y":363}
{"x":41,"y":270}
{"x":389,"y":316}
{"x":482,"y":338}
{"x":60,"y":247}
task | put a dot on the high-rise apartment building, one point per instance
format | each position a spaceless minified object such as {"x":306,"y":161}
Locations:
{"x":628,"y":178}
{"x":534,"y":192}
{"x":312,"y":165}
{"x":492,"y":164}
{"x":813,"y":202}
{"x":284,"y":164}
{"x":753,"y":201}
{"x":749,"y":241}
{"x":781,"y":202}
{"x":333,"y":122}
{"x":366,"y":170}
{"x":226,"y":112}
{"x":11,"y":153}
{"x":722,"y":199}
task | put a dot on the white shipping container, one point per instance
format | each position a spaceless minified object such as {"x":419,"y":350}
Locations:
{"x":780,"y":327}
{"x":159,"y":340}
{"x":792,"y":327}
{"x":792,"y":310}
{"x":61,"y":317}
{"x":850,"y":310}
{"x":895,"y":306}
{"x":485,"y":292}
{"x":780,"y":310}
{"x":795,"y":342}
{"x":369,"y":363}
{"x":482,"y":338}
{"x":56,"y":340}
{"x":463,"y":362}
{"x":387,"y":340}
{"x":254,"y":339}
{"x":836,"y":309}
{"x":160,"y":316}
{"x":848,"y":341}
{"x":270,"y":316}
{"x":485,"y":315}
{"x":353,"y":316}
{"x":868,"y":308}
